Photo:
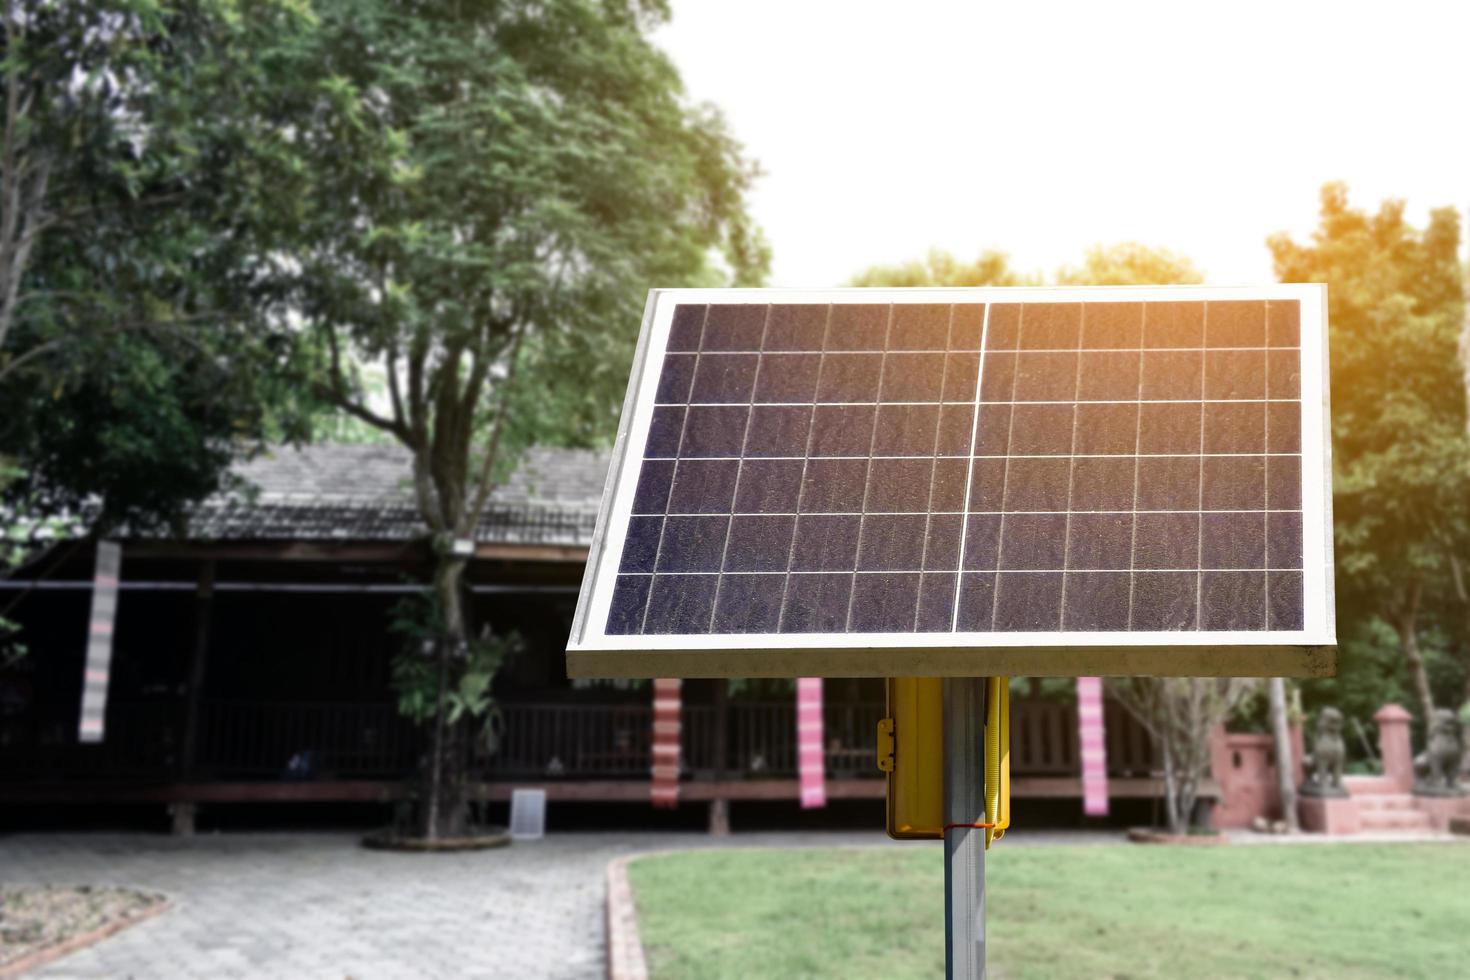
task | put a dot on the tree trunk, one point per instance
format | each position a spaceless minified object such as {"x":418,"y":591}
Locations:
{"x":1281,"y":733}
{"x":1171,"y":789}
{"x":1408,"y":630}
{"x":1457,"y":575}
{"x":1191,"y":758}
{"x":722,"y":722}
{"x":445,"y":809}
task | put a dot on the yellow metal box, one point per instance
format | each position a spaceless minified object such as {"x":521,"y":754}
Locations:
{"x":911,"y":754}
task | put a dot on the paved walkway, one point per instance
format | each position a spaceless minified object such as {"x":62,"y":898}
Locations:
{"x":320,"y":906}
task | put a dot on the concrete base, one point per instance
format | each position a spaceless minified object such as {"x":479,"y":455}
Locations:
{"x":1374,"y":785}
{"x":1329,"y":815}
{"x":183,"y":815}
{"x":1443,"y":809}
{"x":719,"y":818}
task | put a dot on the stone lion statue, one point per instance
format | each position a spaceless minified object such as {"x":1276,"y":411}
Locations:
{"x":1438,"y":766}
{"x":1323,"y":765}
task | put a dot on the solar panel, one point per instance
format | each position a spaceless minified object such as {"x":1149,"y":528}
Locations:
{"x":976,"y":481}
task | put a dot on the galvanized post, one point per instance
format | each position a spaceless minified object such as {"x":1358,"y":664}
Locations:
{"x":964,"y":847}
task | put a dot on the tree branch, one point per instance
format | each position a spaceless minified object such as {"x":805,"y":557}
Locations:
{"x":126,"y":326}
{"x":336,"y":392}
{"x":395,"y":395}
{"x":483,"y":481}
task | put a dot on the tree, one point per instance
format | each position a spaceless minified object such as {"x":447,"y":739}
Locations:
{"x":475,"y":198}
{"x":941,"y":268}
{"x":1399,"y":448}
{"x":1123,"y":264}
{"x":133,"y":363}
{"x":1180,"y":713}
{"x":1281,"y":736}
{"x":1129,"y":264}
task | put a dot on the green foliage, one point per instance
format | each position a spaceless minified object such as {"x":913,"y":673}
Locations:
{"x":1400,"y":462}
{"x":507,"y":223}
{"x":1400,"y":454}
{"x":761,"y":688}
{"x":419,"y":624}
{"x":940,"y":268}
{"x":1123,"y":264}
{"x":1370,"y":673}
{"x":134,"y":362}
{"x":1129,"y":264}
{"x":23,"y":535}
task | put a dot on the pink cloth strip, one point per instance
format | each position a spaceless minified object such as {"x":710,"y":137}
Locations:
{"x":1094,"y":749}
{"x":96,"y":674}
{"x":811,"y":762}
{"x":664,"y":789}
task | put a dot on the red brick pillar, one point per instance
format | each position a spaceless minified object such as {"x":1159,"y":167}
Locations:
{"x":1393,"y":746}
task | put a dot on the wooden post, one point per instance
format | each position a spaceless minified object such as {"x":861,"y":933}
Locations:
{"x":1285,"y":767}
{"x":183,"y":813}
{"x":719,"y":807}
{"x":964,"y":847}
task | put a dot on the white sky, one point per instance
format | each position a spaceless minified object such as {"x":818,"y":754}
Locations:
{"x":1040,"y":128}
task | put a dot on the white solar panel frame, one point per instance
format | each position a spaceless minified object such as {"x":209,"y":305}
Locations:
{"x":1310,"y":651}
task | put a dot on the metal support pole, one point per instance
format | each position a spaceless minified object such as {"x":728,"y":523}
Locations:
{"x":964,"y":847}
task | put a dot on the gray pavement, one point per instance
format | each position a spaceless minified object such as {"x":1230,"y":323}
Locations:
{"x":320,"y":906}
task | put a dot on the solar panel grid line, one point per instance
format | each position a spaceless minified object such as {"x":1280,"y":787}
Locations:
{"x":781,"y":616}
{"x":868,"y":469}
{"x":1071,"y":473}
{"x":1137,"y":469}
{"x":984,"y":513}
{"x":1252,"y":455}
{"x":739,"y":466}
{"x":976,"y":512}
{"x":1028,"y":350}
{"x":1265,"y":517}
{"x":959,"y":576}
{"x":1026,"y":401}
{"x":1010,"y":571}
{"x":933,"y":477}
{"x":1199,"y":580}
{"x":1004,"y":487}
{"x":663,"y":526}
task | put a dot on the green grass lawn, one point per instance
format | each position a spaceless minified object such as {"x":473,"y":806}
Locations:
{"x":1355,"y":910}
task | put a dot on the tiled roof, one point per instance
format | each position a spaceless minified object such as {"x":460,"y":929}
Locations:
{"x":343,"y":492}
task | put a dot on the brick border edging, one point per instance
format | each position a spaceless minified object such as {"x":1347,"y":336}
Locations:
{"x":625,"y":959}
{"x":66,"y":947}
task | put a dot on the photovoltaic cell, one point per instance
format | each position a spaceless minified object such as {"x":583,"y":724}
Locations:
{"x":963,"y":467}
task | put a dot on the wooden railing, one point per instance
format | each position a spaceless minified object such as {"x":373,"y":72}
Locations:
{"x":140,"y":743}
{"x":1044,"y":740}
{"x":331,"y":740}
{"x":304,"y":740}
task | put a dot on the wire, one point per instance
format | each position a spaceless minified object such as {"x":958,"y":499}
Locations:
{"x":992,"y":756}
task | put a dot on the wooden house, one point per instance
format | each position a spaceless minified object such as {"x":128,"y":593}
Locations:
{"x":251,"y":661}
